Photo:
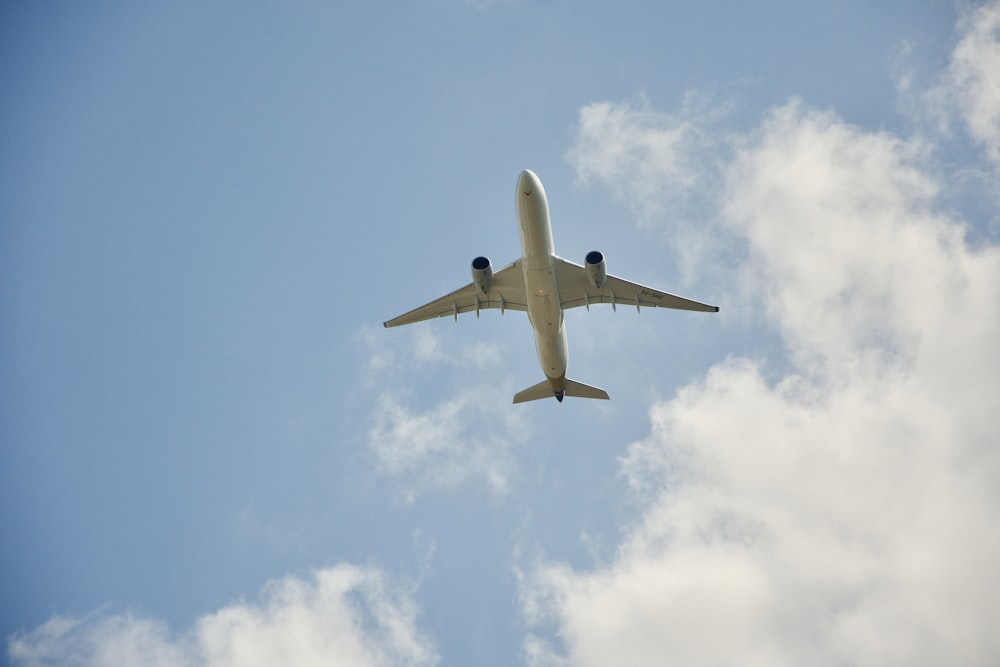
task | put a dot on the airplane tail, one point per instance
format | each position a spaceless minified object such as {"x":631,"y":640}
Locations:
{"x":572,"y":388}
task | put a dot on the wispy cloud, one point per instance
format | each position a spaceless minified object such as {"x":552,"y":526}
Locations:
{"x":663,"y":166}
{"x":452,"y":439}
{"x":651,"y":159}
{"x":839,"y":506}
{"x":415,"y":346}
{"x":456,"y":440}
{"x":344,"y":615}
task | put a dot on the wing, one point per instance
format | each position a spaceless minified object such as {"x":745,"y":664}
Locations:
{"x":506,"y":293}
{"x":575,"y":290}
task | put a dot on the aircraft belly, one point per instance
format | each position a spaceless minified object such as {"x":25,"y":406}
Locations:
{"x":534,"y":225}
{"x":544,"y":310}
{"x":541,"y":298}
{"x":552,"y":354}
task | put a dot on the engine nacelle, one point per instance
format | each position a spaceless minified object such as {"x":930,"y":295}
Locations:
{"x":482,"y":273}
{"x":597,"y":268}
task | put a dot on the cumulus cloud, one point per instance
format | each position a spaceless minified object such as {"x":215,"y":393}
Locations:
{"x":972,"y":82}
{"x":839,"y":505}
{"x":345,"y":615}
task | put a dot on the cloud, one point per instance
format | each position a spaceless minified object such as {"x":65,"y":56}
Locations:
{"x":972,"y":82}
{"x":477,"y":355}
{"x":344,"y":615}
{"x":652,"y":160}
{"x":458,"y":439}
{"x":454,"y":439}
{"x":840,"y":505}
{"x":415,"y":346}
{"x":661,"y":165}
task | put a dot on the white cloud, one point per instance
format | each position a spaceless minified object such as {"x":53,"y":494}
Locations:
{"x":345,"y":615}
{"x":411,"y":347}
{"x":663,"y":166}
{"x":843,"y":510}
{"x":477,"y":355}
{"x":650,"y":159}
{"x":972,"y":82}
{"x":456,"y":440}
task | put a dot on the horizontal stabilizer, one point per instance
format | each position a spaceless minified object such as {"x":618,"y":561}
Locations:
{"x":572,"y":388}
{"x":541,"y":390}
{"x":581,"y":390}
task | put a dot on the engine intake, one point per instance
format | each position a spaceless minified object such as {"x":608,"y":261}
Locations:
{"x":597,"y":268}
{"x":482,"y":273}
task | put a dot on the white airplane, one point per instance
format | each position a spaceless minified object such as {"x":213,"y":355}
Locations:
{"x":544,"y":285}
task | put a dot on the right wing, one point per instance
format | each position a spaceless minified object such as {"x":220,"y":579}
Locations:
{"x":506,"y":292}
{"x":575,"y":290}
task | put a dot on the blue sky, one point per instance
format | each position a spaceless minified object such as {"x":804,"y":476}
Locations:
{"x":212,"y":452}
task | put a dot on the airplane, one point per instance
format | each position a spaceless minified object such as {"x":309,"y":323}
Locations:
{"x":544,"y":285}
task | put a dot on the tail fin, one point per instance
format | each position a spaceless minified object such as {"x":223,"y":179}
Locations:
{"x":572,"y":388}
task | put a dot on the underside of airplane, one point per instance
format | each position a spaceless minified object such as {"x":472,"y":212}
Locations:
{"x":544,"y":285}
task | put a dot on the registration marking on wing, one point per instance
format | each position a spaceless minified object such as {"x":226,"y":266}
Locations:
{"x":651,"y":294}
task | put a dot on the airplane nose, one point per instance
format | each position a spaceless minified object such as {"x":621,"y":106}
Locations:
{"x":527,"y":182}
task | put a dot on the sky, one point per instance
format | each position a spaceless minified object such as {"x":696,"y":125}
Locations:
{"x":212,"y":453}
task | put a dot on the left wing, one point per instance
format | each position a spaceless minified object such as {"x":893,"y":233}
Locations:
{"x":506,"y":293}
{"x":575,"y":290}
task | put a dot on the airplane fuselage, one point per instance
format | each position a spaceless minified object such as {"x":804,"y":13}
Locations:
{"x":543,"y":285}
{"x":539,"y":265}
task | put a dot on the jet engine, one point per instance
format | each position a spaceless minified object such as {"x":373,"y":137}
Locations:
{"x":597,"y":268}
{"x":482,"y":273}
